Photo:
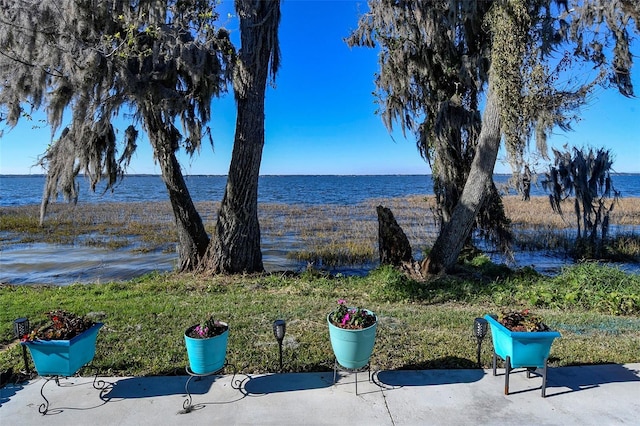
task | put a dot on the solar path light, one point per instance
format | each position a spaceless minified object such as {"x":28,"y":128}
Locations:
{"x":279,"y":329}
{"x":21,"y":329}
{"x":480,"y":331}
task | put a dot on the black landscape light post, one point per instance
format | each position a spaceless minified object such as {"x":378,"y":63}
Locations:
{"x":479,"y":330}
{"x":279,"y":328}
{"x":20,"y":329}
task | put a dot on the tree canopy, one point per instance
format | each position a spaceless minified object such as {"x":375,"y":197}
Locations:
{"x":441,"y":60}
{"x":435,"y":58}
{"x":99,"y":60}
{"x":585,"y":175}
{"x":157,"y":63}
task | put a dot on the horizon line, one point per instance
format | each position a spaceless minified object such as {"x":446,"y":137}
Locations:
{"x":281,"y":175}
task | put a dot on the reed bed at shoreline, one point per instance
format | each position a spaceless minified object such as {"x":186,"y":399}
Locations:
{"x":321,"y":234}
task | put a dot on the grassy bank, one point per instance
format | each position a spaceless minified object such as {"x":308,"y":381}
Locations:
{"x":422,"y":325}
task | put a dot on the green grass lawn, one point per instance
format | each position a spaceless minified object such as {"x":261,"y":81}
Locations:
{"x":421,"y":324}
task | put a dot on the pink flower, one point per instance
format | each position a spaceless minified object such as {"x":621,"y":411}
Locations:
{"x":345,"y":319}
{"x":341,"y":301}
{"x":202,"y":331}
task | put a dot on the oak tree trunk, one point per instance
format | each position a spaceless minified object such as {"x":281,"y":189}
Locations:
{"x":192,"y":237}
{"x":451,"y":239}
{"x":235,"y":245}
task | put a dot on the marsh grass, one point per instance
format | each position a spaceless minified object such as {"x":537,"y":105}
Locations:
{"x":422,"y":324}
{"x":329,"y":235}
{"x":537,"y":227}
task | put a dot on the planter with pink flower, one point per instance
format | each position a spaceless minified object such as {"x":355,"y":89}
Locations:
{"x":206,"y":345}
{"x":352,"y":332}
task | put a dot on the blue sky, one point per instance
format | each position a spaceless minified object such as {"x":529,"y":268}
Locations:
{"x":320,"y":117}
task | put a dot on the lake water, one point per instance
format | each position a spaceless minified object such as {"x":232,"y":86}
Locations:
{"x":62,"y":265}
{"x":340,"y":190}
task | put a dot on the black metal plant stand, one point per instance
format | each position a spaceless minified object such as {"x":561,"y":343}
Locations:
{"x":43,"y":409}
{"x":531,"y":371}
{"x":187,"y":405}
{"x":337,"y":367}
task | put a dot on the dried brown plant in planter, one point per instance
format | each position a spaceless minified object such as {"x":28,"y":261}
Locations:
{"x":64,"y":326}
{"x":522,"y":321}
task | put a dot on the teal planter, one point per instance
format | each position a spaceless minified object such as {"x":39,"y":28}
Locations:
{"x":524,"y":349}
{"x":64,"y":357}
{"x":352,"y":348}
{"x":206,"y":356}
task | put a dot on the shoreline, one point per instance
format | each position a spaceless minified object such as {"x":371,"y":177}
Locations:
{"x":121,"y":240}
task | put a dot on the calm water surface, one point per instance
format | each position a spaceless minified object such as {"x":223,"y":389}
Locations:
{"x":63,"y":265}
{"x":340,"y":190}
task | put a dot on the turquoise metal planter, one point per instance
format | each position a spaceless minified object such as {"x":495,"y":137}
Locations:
{"x":206,"y":356}
{"x":352,"y":348}
{"x":64,"y":357}
{"x":521,"y":349}
{"x":524,"y":349}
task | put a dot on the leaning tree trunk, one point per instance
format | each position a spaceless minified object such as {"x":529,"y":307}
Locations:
{"x":235,"y":245}
{"x":454,"y":234}
{"x":192,"y":236}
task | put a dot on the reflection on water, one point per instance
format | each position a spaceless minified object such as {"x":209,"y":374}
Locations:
{"x":65,"y":264}
{"x":24,"y":264}
{"x":549,"y":263}
{"x":55,"y":264}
